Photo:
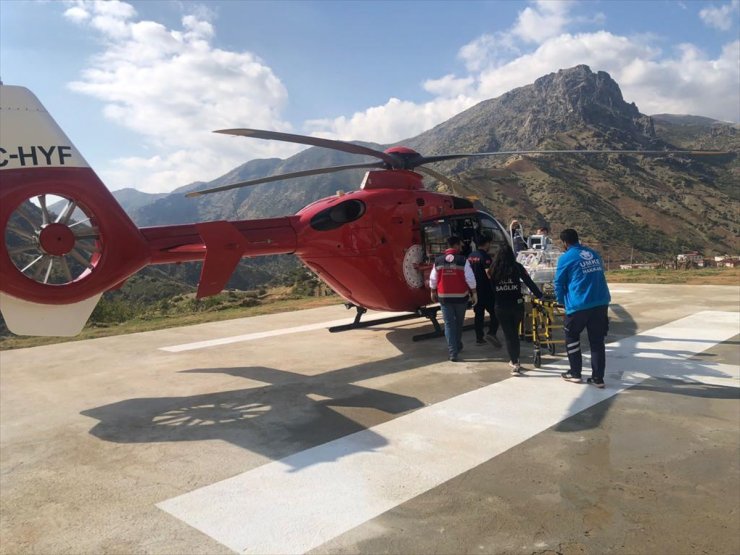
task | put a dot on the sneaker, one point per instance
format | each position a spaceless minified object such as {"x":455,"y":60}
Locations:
{"x":493,"y":340}
{"x":568,"y":377}
{"x":598,"y":382}
{"x":453,"y":359}
{"x":516,"y":368}
{"x":480,"y":342}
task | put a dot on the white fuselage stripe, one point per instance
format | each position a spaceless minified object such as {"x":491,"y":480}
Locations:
{"x":302,"y":501}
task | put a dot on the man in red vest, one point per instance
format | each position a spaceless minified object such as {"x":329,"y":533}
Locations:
{"x":451,"y":280}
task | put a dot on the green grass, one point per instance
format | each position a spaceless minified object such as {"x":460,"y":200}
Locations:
{"x":699,"y":276}
{"x":151,"y":322}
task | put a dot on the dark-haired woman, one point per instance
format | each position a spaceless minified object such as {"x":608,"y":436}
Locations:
{"x":507,"y":276}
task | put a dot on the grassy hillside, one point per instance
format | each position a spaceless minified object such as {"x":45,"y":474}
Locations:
{"x":113,"y":318}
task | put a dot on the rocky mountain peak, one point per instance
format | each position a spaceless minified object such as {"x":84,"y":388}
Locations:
{"x":564,"y":101}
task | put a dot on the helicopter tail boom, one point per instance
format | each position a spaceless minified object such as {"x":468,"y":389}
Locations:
{"x":67,"y":240}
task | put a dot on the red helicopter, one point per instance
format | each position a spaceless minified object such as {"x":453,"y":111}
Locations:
{"x":373,"y":246}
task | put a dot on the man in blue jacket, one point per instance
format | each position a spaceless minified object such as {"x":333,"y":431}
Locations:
{"x":581,"y":286}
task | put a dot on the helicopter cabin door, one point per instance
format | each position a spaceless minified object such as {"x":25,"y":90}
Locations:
{"x":434,"y":234}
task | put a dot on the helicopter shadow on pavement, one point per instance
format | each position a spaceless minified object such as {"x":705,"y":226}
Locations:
{"x":292,"y":413}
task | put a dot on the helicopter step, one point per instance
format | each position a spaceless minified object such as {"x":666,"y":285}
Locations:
{"x":429,"y":312}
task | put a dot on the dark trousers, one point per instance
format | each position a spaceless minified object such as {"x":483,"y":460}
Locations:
{"x":509,"y":318}
{"x":484,"y":304}
{"x":453,"y":315}
{"x":596,"y":323}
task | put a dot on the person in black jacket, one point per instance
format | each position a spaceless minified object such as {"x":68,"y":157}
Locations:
{"x":480,"y":262}
{"x":507,"y":276}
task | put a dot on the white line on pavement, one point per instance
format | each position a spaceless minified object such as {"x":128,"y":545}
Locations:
{"x":304,"y":500}
{"x":270,"y":333}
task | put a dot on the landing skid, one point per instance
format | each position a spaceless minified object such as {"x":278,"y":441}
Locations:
{"x":429,"y":312}
{"x":357,"y":324}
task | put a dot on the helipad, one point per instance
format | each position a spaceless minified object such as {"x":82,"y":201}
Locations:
{"x":271,"y":435}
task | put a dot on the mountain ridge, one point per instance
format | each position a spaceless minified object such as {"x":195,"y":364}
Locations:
{"x":656,"y":206}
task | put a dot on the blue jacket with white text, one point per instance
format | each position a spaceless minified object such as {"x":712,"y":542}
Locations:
{"x":579,"y":280}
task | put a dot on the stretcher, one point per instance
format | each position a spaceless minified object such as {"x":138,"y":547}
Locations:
{"x":540,"y":325}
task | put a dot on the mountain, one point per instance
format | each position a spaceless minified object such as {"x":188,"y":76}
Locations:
{"x":132,"y":199}
{"x":657,"y":205}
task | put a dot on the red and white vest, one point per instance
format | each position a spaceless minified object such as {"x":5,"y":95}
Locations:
{"x":451,"y":284}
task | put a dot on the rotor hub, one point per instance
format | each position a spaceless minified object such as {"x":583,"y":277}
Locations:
{"x":56,"y":239}
{"x":406,"y":158}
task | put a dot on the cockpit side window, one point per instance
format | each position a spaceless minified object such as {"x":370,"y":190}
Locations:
{"x":338,"y":215}
{"x":435,"y":236}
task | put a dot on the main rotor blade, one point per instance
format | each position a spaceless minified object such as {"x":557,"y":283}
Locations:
{"x":440,"y":158}
{"x":313,"y":141}
{"x":271,"y":178}
{"x":438,"y":176}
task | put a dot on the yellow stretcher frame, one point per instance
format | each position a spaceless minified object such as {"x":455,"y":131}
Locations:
{"x":541,"y":319}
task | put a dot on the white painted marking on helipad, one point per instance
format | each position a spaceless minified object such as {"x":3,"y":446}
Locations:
{"x":304,"y":500}
{"x":270,"y":333}
{"x":621,"y":290}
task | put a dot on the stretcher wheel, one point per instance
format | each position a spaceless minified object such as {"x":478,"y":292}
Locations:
{"x":537,"y":359}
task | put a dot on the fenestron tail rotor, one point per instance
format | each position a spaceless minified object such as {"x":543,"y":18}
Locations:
{"x":51,"y":248}
{"x":402,"y":158}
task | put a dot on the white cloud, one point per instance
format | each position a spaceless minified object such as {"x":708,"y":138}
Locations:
{"x":76,"y":14}
{"x":449,"y":85}
{"x":721,"y":18}
{"x":547,"y":18}
{"x":174,"y":87}
{"x":488,"y":50}
{"x":395,"y":120}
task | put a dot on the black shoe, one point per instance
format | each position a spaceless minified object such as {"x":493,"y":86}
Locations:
{"x":453,"y":359}
{"x":480,"y":342}
{"x":598,"y":382}
{"x":568,"y":377}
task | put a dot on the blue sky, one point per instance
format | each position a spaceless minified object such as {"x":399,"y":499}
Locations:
{"x":138,"y":86}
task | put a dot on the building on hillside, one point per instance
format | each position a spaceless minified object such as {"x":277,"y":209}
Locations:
{"x":641,"y":266}
{"x":727,"y":261}
{"x":692,"y":259}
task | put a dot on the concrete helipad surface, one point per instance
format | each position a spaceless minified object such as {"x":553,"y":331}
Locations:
{"x":271,"y":435}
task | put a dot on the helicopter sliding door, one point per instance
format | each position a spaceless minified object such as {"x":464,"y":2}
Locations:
{"x":491,"y":228}
{"x":470,"y":228}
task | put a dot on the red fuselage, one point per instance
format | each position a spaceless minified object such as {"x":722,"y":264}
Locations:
{"x":355,"y":242}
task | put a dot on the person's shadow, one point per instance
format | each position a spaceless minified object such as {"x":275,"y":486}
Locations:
{"x":676,"y":372}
